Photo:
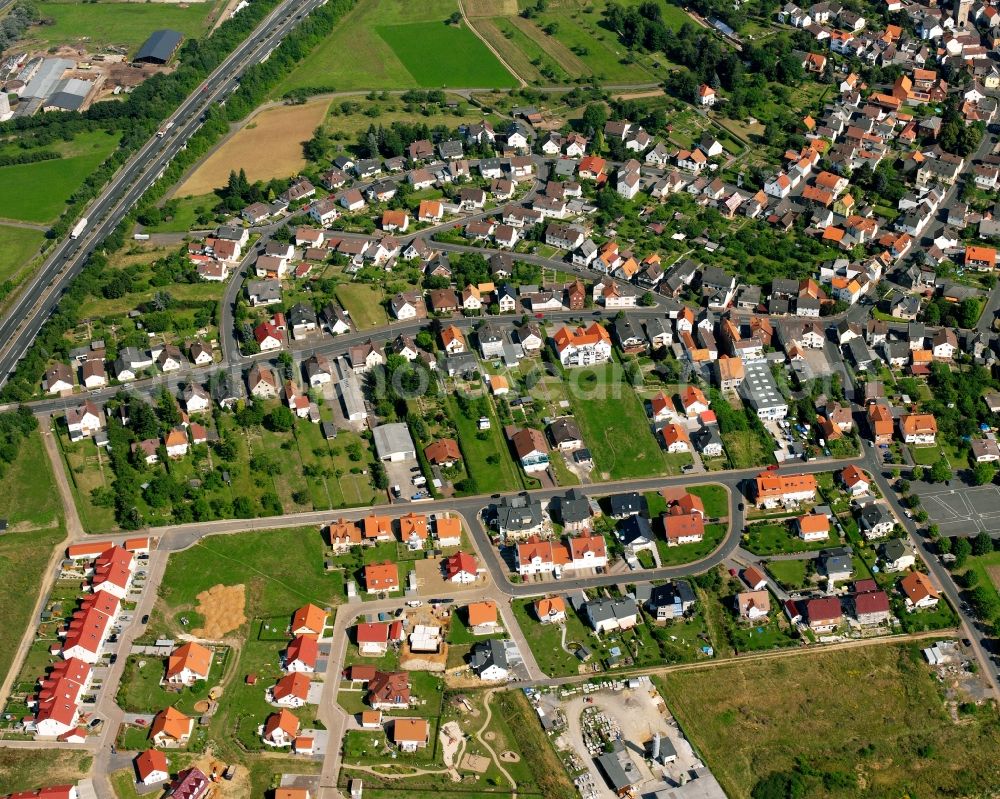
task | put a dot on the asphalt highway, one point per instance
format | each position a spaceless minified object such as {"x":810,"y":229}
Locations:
{"x":37,"y":301}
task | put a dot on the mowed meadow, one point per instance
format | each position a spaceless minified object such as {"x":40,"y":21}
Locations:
{"x":43,"y":187}
{"x":392,"y":44}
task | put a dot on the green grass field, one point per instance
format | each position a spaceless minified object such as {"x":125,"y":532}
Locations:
{"x":20,"y":246}
{"x":23,"y":560}
{"x":28,"y":496}
{"x":869,"y":722}
{"x":95,"y":25}
{"x":363,"y":302}
{"x":688,"y":553}
{"x":376,"y":65}
{"x":744,"y":449}
{"x":627,"y":448}
{"x":504,"y":475}
{"x":45,"y":186}
{"x":439,"y":55}
{"x":186,"y":215}
{"x":779,"y":537}
{"x":715,"y":499}
{"x":790,"y":573}
{"x":29,"y":769}
{"x":275,"y":586}
{"x":545,"y":639}
{"x":579,"y":30}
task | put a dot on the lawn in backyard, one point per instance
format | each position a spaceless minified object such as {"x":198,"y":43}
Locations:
{"x":439,"y":55}
{"x":96,"y":25}
{"x":23,"y":560}
{"x":43,"y":187}
{"x":486,"y":459}
{"x":871,"y":717}
{"x":545,"y":640}
{"x":790,"y":574}
{"x":20,"y":246}
{"x":778,"y":537}
{"x":714,"y":497}
{"x":363,"y":302}
{"x":614,"y":424}
{"x":925,"y":456}
{"x":141,"y":690}
{"x":688,"y":553}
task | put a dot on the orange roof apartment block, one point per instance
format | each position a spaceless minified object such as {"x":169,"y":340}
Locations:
{"x":771,"y":489}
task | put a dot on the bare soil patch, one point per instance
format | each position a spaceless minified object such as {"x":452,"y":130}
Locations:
{"x":223,"y":608}
{"x":476,"y":763}
{"x":268,"y":146}
{"x":640,"y":95}
{"x":239,"y":786}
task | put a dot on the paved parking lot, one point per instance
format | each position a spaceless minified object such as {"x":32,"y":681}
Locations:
{"x":963,"y":511}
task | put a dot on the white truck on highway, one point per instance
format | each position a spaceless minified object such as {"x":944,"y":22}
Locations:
{"x":78,"y":228}
{"x":163,"y":131}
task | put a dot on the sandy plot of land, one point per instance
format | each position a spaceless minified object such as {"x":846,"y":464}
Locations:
{"x":268,"y":146}
{"x":222,"y":607}
{"x":451,"y":739}
{"x":431,"y":580}
{"x":476,"y":763}
{"x":994,"y":573}
{"x":640,"y":95}
{"x":224,"y":789}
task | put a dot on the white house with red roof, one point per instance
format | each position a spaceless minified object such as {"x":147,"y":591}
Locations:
{"x":855,"y":481}
{"x":461,"y":568}
{"x":57,"y":703}
{"x":113,"y":571}
{"x":301,"y":654}
{"x":372,"y":638}
{"x":588,"y":552}
{"x":535,"y":556}
{"x":151,"y":767}
{"x":89,"y":627}
{"x":280,"y":728}
{"x":292,"y":690}
{"x":268,"y":336}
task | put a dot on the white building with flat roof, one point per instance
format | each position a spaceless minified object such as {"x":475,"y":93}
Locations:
{"x":761,"y":392}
